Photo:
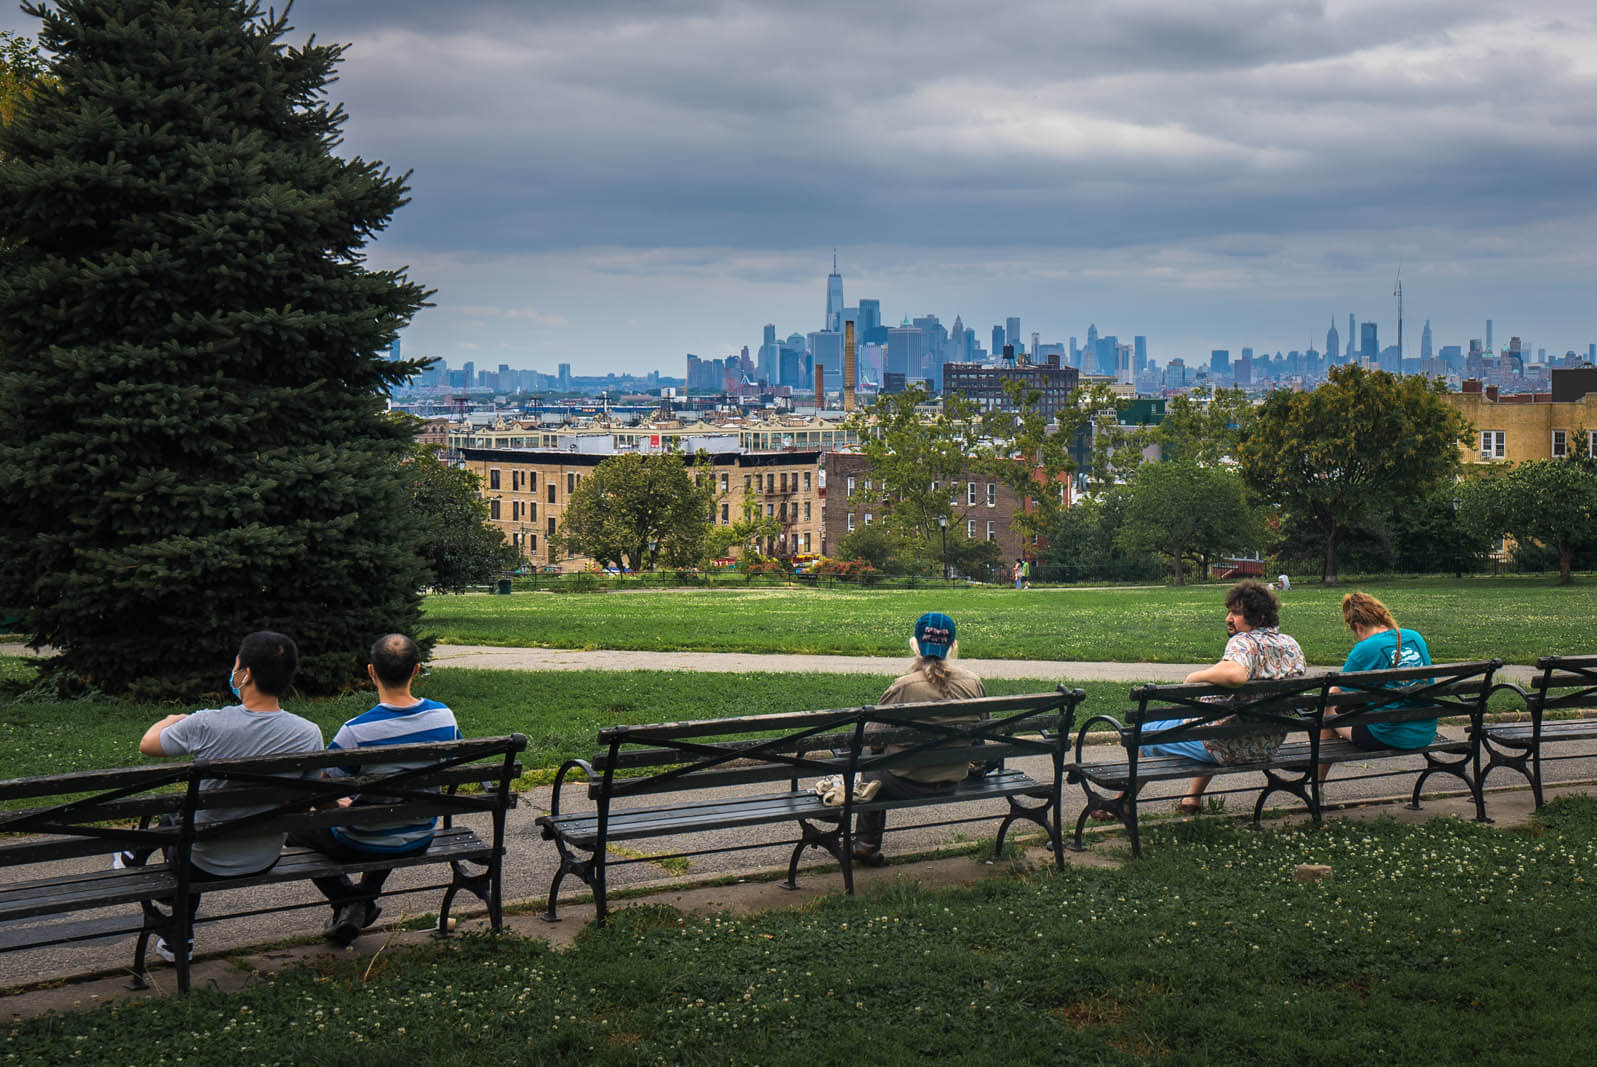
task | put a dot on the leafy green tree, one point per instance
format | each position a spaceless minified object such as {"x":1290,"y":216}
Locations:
{"x":635,"y":512}
{"x":1082,"y":543}
{"x":193,"y":442}
{"x":748,"y":532}
{"x":1183,"y":511}
{"x":1355,"y":447}
{"x":917,"y":458}
{"x":872,"y":543}
{"x":22,"y":73}
{"x":1550,"y":501}
{"x":1205,"y":430}
{"x":458,"y":544}
{"x":1029,"y":455}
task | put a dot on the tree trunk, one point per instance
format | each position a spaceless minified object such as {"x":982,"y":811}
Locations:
{"x":1566,"y":557}
{"x":1328,"y":570}
{"x":1181,"y":567}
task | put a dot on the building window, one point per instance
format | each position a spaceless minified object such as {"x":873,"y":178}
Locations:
{"x":551,"y":526}
{"x":851,"y":485}
{"x":970,"y":529}
{"x":992,"y":533}
{"x":746,"y":479}
{"x":867,"y":518}
{"x":851,"y":522}
{"x":723,"y":481}
{"x":806,"y":542}
{"x":532,"y":481}
{"x":532,"y":543}
{"x":493,"y":478}
{"x":1560,"y":444}
{"x":806,"y":511}
{"x":806,"y":487}
{"x":992,"y":494}
{"x":970,"y":493}
{"x":551,"y":492}
{"x":571,"y":483}
{"x":770,"y":511}
{"x":724,"y":513}
{"x":770,"y":483}
{"x":781,"y":511}
{"x":532,"y":511}
{"x":1494,"y":444}
{"x":784,"y":481}
{"x":493,"y":508}
{"x":1591,"y":443}
{"x":515,"y":511}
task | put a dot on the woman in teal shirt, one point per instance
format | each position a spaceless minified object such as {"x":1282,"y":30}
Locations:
{"x":1382,"y":645}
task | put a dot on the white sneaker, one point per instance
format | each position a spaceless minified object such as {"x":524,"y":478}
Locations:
{"x":165,"y":952}
{"x":120,"y":860}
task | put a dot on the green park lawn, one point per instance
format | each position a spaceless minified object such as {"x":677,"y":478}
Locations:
{"x":1439,"y":943}
{"x":1517,"y":619}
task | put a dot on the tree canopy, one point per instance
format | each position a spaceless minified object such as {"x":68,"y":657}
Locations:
{"x":193,"y":443}
{"x":1551,"y":501}
{"x":916,"y":459}
{"x":1354,"y":447}
{"x":458,"y":544}
{"x":1184,"y":511}
{"x":636,"y":511}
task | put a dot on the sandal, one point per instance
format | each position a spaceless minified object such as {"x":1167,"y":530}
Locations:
{"x":1188,"y":806}
{"x":1103,"y":815}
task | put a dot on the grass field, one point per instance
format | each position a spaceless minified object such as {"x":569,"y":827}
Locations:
{"x":559,"y":713}
{"x":1516,"y":619}
{"x":1439,"y":943}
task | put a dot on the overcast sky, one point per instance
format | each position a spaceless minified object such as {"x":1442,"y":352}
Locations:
{"x":613,"y":184}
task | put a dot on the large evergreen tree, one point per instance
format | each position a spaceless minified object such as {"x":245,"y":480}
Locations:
{"x":192,"y":438}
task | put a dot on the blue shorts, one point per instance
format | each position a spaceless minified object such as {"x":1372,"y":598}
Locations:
{"x":1192,"y":750}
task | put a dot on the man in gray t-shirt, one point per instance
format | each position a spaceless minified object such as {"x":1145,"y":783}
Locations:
{"x":263,"y":672}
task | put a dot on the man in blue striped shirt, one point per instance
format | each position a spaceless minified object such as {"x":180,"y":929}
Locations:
{"x":398,"y":719}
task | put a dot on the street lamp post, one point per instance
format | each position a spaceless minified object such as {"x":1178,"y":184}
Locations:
{"x":1458,"y":542}
{"x":942,"y":528}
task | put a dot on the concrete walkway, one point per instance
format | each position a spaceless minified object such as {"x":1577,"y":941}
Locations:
{"x":565,"y":659}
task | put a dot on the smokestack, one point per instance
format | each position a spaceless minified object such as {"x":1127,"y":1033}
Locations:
{"x":820,"y":386}
{"x":849,"y":369}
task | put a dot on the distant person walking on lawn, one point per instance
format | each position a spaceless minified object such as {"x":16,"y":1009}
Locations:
{"x":262,"y":674}
{"x":932,"y":678}
{"x":1382,"y":645}
{"x":1256,"y":648}
{"x":398,"y":719}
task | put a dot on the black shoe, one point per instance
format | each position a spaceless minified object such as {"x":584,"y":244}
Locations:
{"x":373,"y":913}
{"x":344,"y":927}
{"x":870,"y":857}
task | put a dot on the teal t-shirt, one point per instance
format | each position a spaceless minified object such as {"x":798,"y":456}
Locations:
{"x":1375,"y":653}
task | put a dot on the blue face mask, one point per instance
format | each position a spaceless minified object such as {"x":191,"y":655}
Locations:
{"x":236,"y":694}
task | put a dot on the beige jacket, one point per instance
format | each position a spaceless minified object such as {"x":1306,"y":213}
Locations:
{"x":914,"y":688}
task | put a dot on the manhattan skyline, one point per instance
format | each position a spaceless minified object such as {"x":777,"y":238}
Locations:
{"x":618,"y":185}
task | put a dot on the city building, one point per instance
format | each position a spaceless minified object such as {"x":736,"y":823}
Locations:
{"x":528,"y":490}
{"x":1516,"y":427}
{"x":985,"y":385}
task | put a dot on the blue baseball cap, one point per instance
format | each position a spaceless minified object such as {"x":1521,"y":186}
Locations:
{"x":934,"y":633}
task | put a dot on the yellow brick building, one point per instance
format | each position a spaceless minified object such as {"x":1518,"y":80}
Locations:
{"x":527,"y":491}
{"x":1526,"y":426}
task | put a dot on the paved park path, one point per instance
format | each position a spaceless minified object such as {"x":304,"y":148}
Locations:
{"x":564,"y":659}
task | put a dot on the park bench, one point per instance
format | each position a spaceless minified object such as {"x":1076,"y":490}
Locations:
{"x":690,"y":778}
{"x":1300,"y":707}
{"x":1565,"y":683}
{"x":60,"y":830}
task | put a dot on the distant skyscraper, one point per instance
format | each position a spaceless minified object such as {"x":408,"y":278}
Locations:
{"x":1012,"y":331}
{"x":1036,"y":341}
{"x":1092,"y":336}
{"x":1425,"y":341}
{"x":834,"y":298}
{"x":1369,"y":347}
{"x":1490,"y":351}
{"x":998,"y":340}
{"x":565,"y":377}
{"x":1139,"y":352}
{"x":1333,"y":343}
{"x":870,"y":316}
{"x":768,"y":367}
{"x":1220,"y":361}
{"x":393,"y":351}
{"x":1352,"y":337}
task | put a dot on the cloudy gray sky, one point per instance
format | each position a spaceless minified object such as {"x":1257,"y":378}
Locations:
{"x":614,"y":184}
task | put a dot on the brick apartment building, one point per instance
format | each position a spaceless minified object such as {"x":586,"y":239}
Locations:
{"x":527,"y":491}
{"x":1519,"y":426}
{"x":984,"y":509}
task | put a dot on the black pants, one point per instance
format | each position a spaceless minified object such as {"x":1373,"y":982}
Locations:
{"x":870,"y":825}
{"x":339,"y":889}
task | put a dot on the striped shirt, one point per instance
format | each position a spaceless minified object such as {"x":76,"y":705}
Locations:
{"x":423,"y":722}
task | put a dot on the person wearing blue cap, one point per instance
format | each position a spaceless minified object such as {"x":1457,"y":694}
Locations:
{"x":931,"y":678}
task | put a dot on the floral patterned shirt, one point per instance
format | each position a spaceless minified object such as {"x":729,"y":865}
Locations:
{"x":1267,"y":653}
